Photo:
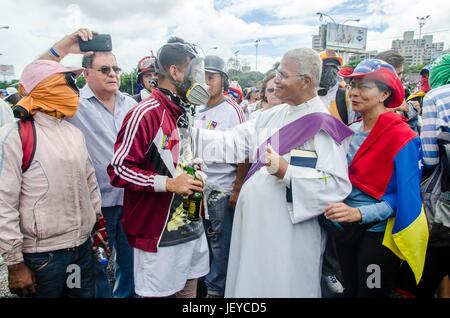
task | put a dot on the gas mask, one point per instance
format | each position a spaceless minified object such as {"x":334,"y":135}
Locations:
{"x":194,"y":83}
{"x":193,"y":89}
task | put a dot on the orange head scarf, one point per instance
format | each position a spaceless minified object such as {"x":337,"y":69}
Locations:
{"x":53,"y":96}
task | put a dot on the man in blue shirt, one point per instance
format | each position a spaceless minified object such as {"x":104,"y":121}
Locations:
{"x":100,"y":114}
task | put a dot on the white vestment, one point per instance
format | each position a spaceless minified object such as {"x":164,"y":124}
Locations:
{"x":277,"y":247}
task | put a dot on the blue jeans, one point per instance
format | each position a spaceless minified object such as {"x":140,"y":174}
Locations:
{"x":124,"y":259}
{"x":218,"y":232}
{"x":63,"y":273}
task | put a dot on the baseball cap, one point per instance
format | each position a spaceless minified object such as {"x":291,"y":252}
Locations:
{"x":39,"y":70}
{"x":383,"y":72}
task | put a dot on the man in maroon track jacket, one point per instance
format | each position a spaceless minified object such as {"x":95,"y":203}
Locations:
{"x":170,"y":251}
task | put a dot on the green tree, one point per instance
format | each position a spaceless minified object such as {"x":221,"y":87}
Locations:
{"x":413,"y":69}
{"x":248,"y":79}
{"x":5,"y":84}
{"x":128,"y":82}
{"x":81,"y":81}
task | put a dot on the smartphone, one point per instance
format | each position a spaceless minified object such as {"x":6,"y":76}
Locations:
{"x":99,"y":43}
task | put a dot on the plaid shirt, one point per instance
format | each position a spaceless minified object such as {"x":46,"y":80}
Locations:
{"x":436,"y":118}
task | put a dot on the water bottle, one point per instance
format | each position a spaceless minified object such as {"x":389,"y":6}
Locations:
{"x":101,"y":256}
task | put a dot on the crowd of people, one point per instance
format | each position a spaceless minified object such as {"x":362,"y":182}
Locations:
{"x":329,"y":180}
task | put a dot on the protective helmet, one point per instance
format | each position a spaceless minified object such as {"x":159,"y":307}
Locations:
{"x":146,"y":64}
{"x":331,"y":55}
{"x":215,"y":64}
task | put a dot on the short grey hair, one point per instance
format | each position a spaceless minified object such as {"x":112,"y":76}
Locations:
{"x":308,"y":62}
{"x":88,"y":61}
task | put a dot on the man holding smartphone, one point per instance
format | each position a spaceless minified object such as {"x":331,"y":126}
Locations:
{"x":102,"y":108}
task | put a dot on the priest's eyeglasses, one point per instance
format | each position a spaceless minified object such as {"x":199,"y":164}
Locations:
{"x":281,"y":76}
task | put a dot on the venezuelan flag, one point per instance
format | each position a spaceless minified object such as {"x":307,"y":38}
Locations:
{"x":406,"y":234}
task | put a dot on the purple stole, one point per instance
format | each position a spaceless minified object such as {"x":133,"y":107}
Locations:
{"x":300,"y":131}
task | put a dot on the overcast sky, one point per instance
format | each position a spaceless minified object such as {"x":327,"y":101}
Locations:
{"x":139,"y":26}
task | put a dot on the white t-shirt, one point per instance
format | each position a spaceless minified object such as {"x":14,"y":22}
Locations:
{"x":225,"y":115}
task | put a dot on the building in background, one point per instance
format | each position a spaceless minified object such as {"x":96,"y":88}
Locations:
{"x":319,"y":41}
{"x":418,"y":51}
{"x":364,"y":55}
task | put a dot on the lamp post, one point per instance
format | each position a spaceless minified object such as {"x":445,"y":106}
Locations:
{"x":256,"y":46}
{"x":6,"y":27}
{"x":236,"y":60}
{"x":422,"y":21}
{"x":211,"y":48}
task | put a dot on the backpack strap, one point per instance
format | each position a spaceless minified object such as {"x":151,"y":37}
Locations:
{"x":27,"y":132}
{"x":341,"y":104}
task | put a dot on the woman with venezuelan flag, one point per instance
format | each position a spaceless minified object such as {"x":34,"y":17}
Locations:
{"x":381,"y":222}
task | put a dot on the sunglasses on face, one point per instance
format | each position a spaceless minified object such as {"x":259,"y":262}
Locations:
{"x":106,"y":70}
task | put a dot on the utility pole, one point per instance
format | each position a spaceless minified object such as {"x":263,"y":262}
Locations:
{"x":256,"y":46}
{"x":236,"y":61}
{"x":132,"y":82}
{"x":422,"y":21}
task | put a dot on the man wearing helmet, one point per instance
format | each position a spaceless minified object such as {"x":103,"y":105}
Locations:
{"x":224,"y":180}
{"x":170,"y":250}
{"x":146,"y":77}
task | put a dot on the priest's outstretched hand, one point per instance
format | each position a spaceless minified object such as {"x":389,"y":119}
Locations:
{"x":275,"y":163}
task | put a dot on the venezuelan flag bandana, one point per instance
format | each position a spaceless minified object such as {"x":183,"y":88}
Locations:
{"x":388,"y":167}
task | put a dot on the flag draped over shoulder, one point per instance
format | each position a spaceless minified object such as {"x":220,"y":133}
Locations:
{"x":388,"y":167}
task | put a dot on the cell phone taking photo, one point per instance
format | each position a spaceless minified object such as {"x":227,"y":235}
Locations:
{"x":99,"y":43}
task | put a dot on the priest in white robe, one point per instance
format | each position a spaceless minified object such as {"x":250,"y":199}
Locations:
{"x":277,"y":242}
